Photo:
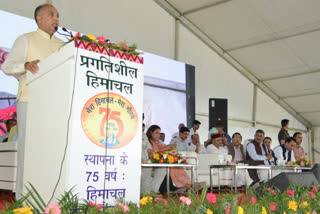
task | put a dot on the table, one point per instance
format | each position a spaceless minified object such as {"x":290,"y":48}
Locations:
{"x":235,"y":172}
{"x":168,"y":166}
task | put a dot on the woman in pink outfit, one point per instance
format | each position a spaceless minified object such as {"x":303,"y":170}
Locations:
{"x":178,"y":177}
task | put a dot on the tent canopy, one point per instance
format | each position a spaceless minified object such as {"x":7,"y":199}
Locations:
{"x":276,"y":44}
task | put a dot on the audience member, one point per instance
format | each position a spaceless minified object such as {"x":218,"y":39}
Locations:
{"x":9,"y":124}
{"x":162,"y":137}
{"x":193,"y":130}
{"x":178,"y":177}
{"x":181,"y":140}
{"x":216,"y":146}
{"x":283,"y":133}
{"x":195,"y":145}
{"x":235,"y":149}
{"x":298,"y":149}
{"x":177,"y":133}
{"x":146,"y":154}
{"x":219,"y":129}
{"x":267,"y":142}
{"x":256,"y":154}
{"x":283,"y":153}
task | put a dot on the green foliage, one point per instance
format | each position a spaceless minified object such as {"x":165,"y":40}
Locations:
{"x":301,"y":198}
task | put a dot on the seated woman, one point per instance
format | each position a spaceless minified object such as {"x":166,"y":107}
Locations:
{"x":178,"y":177}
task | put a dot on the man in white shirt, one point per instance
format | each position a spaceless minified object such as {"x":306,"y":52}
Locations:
{"x":216,"y":146}
{"x":195,"y":145}
{"x":176,"y":134}
{"x":283,"y":153}
{"x":26,"y":53}
{"x":194,"y":129}
{"x":181,"y":140}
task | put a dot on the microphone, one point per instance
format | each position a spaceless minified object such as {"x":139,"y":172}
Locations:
{"x":69,"y":32}
{"x":56,"y":28}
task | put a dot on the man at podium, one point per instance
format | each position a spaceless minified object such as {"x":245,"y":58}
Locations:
{"x":26,"y":53}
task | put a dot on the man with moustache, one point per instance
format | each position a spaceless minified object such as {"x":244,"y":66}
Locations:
{"x":26,"y":53}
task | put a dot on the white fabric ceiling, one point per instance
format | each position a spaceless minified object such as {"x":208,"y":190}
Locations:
{"x":277,"y":43}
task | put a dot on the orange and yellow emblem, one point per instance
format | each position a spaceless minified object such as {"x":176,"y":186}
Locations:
{"x":109,"y":119}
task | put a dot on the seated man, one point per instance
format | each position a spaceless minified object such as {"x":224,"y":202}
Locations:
{"x":195,"y":145}
{"x":267,"y":142}
{"x":216,"y":146}
{"x":298,"y":149}
{"x":162,"y":137}
{"x":235,"y":148}
{"x":283,"y":153}
{"x":219,"y":129}
{"x":181,"y":140}
{"x":256,"y":155}
{"x":9,"y":124}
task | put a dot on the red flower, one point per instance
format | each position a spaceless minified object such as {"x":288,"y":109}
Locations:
{"x":211,"y":198}
{"x":309,"y":163}
{"x":228,"y":209}
{"x":290,"y":193}
{"x":176,"y":159}
{"x":161,"y":160}
{"x":102,"y":40}
{"x":272,"y":191}
{"x":314,"y":188}
{"x":76,"y":36}
{"x":253,"y":200}
{"x":127,"y":48}
{"x":161,"y":152}
{"x":273,"y":207}
{"x":311,"y":195}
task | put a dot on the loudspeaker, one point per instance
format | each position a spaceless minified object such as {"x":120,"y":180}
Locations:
{"x":218,"y":113}
{"x":285,"y":179}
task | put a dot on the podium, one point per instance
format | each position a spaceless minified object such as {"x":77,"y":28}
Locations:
{"x":84,"y":114}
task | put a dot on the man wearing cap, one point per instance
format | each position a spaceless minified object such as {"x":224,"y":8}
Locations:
{"x":219,"y":129}
{"x":216,"y":146}
{"x":181,"y":140}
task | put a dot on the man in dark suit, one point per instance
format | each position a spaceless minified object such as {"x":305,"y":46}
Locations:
{"x":235,"y":148}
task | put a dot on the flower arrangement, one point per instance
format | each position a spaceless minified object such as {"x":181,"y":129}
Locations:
{"x":8,"y":113}
{"x":304,"y":162}
{"x":103,"y":42}
{"x":294,"y":200}
{"x":172,"y":157}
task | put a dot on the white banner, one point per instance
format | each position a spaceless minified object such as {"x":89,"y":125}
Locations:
{"x":105,"y":139}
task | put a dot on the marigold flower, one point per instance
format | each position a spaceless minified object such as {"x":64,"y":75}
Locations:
{"x":211,"y":198}
{"x":170,"y":159}
{"x":156,"y":156}
{"x":240,"y":210}
{"x":303,"y":204}
{"x":292,"y":205}
{"x":185,"y":200}
{"x":92,"y":37}
{"x":263,"y":211}
{"x":23,"y":210}
{"x":145,"y":200}
{"x":209,"y":211}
